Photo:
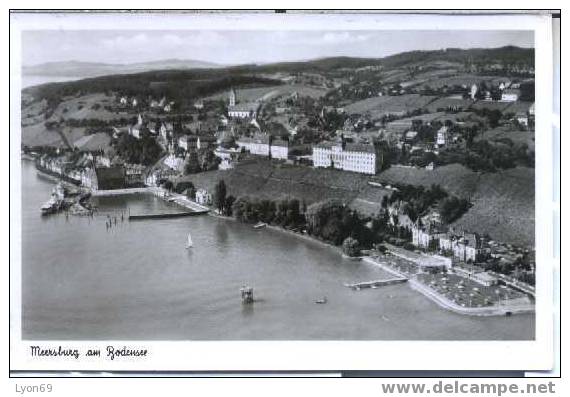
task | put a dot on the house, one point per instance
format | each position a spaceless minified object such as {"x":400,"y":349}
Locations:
{"x":465,"y":247}
{"x":442,"y":136}
{"x":134,"y":175}
{"x":510,"y":95}
{"x":199,"y":104}
{"x":136,"y":129}
{"x":174,"y":162}
{"x":522,"y":118}
{"x":188,"y":142}
{"x":426,"y":237}
{"x":203,"y":197}
{"x":473,"y":91}
{"x":410,"y":136}
{"x":206,"y":141}
{"x":354,"y":157}
{"x":89,"y":178}
{"x":226,"y":164}
{"x":258,"y":145}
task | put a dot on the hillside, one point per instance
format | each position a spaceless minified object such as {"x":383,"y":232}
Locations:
{"x":503,"y":202}
{"x":507,"y":55}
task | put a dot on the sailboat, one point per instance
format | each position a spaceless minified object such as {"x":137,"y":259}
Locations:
{"x":189,"y":243}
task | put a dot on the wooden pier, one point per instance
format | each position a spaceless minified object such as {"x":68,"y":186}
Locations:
{"x":376,"y":283}
{"x":165,"y":215}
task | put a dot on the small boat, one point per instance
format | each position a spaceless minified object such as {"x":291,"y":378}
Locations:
{"x":50,"y":207}
{"x":321,"y":301}
{"x":260,"y":225}
{"x":189,"y":244}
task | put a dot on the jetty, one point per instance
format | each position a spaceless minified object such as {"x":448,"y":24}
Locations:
{"x":376,"y":283}
{"x":165,"y":215}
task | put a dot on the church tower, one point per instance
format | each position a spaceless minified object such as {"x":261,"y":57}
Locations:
{"x":232,"y":97}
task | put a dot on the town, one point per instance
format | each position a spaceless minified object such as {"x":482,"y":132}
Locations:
{"x":403,"y":158}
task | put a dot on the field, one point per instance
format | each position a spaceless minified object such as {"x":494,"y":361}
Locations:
{"x":463,"y":79}
{"x":379,"y":106}
{"x":35,"y":133}
{"x":82,"y":108}
{"x":444,"y":103}
{"x":503,"y":202}
{"x":38,"y":135}
{"x":273,"y":182}
{"x":369,"y":199}
{"x":93,"y":142}
{"x":518,"y":137}
{"x":492,"y":105}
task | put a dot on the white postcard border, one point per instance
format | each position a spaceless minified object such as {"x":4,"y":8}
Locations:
{"x":305,"y":355}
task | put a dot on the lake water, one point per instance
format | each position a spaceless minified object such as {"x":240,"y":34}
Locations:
{"x":137,"y":281}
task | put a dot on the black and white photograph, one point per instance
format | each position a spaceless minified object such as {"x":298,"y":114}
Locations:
{"x":276,"y":184}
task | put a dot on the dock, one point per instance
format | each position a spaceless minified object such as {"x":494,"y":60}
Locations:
{"x":376,"y":283}
{"x":165,"y":215}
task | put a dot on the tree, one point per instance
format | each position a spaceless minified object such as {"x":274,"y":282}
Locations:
{"x":192,"y":164}
{"x":230,"y":200}
{"x":220,"y":195}
{"x":350,"y":247}
{"x":452,"y":208}
{"x":168,"y":185}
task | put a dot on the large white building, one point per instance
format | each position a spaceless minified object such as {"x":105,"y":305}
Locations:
{"x":354,"y":157}
{"x":258,"y":145}
{"x":279,"y":149}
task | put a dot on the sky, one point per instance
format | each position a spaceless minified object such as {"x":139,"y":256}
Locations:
{"x":240,"y":47}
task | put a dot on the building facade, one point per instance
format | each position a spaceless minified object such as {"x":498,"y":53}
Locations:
{"x":441,"y":139}
{"x":279,"y":149}
{"x":465,"y":248}
{"x":510,"y":95}
{"x":353,"y":157}
{"x":258,"y":146}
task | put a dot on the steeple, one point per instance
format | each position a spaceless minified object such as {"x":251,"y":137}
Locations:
{"x":232,"y":97}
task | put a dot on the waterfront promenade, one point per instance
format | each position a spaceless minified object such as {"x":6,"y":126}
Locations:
{"x":497,"y":308}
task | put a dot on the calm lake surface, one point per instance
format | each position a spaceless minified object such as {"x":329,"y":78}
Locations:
{"x":137,"y":281}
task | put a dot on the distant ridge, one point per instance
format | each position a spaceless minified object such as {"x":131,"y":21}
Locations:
{"x":95,"y":69}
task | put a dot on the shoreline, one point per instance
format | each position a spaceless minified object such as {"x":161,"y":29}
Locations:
{"x":282,"y":230}
{"x":416,"y":285}
{"x":447,"y":304}
{"x":470,"y":311}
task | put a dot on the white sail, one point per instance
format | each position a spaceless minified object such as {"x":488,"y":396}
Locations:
{"x":189,"y":244}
